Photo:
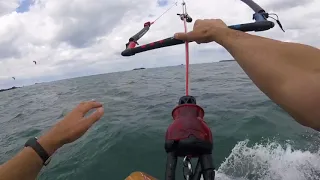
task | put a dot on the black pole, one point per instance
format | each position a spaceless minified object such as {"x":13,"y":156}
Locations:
{"x":207,"y":167}
{"x":134,"y":39}
{"x":197,"y":171}
{"x":142,"y":32}
{"x":171,"y":166}
{"x":256,"y":26}
{"x":261,"y":24}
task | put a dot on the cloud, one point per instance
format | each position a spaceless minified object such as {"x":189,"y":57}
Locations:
{"x":8,"y":50}
{"x":83,"y":37}
{"x":7,"y":6}
{"x":287,"y":4}
{"x":84,"y":22}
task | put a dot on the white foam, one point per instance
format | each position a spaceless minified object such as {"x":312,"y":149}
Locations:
{"x":269,"y":162}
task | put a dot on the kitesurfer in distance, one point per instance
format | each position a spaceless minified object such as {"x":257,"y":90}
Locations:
{"x":286,"y":72}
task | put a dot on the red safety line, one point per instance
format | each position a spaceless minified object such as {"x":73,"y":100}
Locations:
{"x":187,"y":53}
{"x":187,"y":61}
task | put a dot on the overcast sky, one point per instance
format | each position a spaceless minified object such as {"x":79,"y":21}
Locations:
{"x":70,"y":38}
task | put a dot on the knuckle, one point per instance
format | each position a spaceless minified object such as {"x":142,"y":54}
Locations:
{"x":82,"y":104}
{"x":91,"y":105}
{"x":204,"y":31}
{"x":94,"y":115}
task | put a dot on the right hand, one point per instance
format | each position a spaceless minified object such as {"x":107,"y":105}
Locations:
{"x":71,"y":127}
{"x":204,"y":31}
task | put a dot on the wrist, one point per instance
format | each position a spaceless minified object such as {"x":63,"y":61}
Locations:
{"x":225,"y":36}
{"x":218,"y":35}
{"x":49,"y":143}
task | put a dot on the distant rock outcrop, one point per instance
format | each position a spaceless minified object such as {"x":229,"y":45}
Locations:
{"x":226,"y":60}
{"x":138,"y":69}
{"x":2,"y":90}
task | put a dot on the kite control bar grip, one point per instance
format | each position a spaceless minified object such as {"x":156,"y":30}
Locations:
{"x":256,"y":26}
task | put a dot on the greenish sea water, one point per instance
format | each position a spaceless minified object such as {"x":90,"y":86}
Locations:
{"x":253,"y":137}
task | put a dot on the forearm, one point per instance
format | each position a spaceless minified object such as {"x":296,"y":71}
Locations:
{"x":286,"y":72}
{"x":27,"y":164}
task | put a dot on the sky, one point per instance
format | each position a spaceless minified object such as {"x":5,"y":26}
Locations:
{"x":84,"y":37}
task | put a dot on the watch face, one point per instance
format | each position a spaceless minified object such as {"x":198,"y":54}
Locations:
{"x":48,"y":161}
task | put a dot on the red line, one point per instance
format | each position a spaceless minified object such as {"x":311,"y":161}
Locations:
{"x":187,"y":59}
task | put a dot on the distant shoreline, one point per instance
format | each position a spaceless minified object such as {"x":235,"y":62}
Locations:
{"x":226,"y":60}
{"x":138,"y":69}
{"x":112,"y":72}
{"x":9,"y":89}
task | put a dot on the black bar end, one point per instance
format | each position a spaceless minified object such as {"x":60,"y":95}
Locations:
{"x":127,"y":52}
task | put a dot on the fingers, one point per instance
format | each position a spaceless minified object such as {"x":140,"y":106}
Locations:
{"x":181,"y":36}
{"x":190,"y":36}
{"x":94,"y":117}
{"x":203,"y":31}
{"x":85,"y":107}
{"x":87,"y":122}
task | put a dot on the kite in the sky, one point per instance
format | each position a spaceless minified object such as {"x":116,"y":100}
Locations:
{"x":35,"y":62}
{"x":13,"y":78}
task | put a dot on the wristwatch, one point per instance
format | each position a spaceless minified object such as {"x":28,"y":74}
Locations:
{"x":33,"y":143}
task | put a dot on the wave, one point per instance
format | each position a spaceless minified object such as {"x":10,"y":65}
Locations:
{"x":270,"y":161}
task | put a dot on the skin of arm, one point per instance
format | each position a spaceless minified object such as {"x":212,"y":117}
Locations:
{"x":288,"y":73}
{"x":27,"y":164}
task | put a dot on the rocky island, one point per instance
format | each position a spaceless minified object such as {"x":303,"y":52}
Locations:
{"x":12,"y":88}
{"x":226,"y":60}
{"x":138,"y":69}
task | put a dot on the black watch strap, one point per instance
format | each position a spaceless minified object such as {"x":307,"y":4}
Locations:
{"x":33,"y":143}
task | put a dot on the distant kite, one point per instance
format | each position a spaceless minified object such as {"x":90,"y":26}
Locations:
{"x":13,"y":78}
{"x":35,"y":62}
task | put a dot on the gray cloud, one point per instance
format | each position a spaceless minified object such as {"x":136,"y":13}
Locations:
{"x":8,"y":50}
{"x":8,"y":45}
{"x":7,"y":6}
{"x":286,"y":4}
{"x":81,"y":27}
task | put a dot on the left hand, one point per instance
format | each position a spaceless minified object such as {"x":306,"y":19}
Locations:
{"x":72,"y":127}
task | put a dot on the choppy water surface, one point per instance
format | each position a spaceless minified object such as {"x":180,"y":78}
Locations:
{"x":254,"y":138}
